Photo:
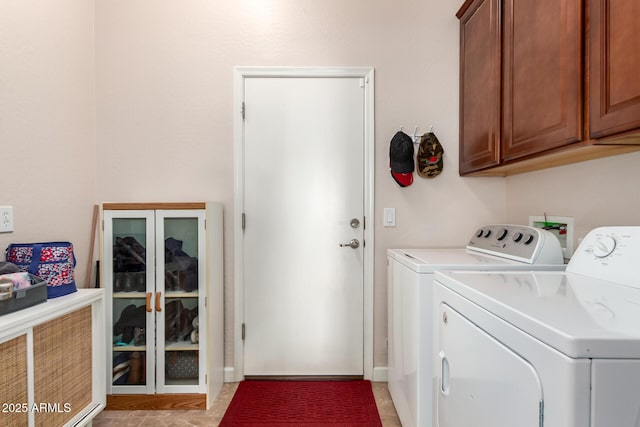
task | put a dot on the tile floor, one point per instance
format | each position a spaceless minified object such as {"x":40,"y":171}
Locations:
{"x":213,"y":416}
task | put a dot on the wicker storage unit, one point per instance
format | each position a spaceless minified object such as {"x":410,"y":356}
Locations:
{"x":52,"y":356}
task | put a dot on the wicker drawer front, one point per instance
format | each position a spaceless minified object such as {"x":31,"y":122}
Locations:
{"x":62,"y":367}
{"x":13,"y":382}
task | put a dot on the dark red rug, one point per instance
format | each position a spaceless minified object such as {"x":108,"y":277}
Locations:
{"x":302,"y":403}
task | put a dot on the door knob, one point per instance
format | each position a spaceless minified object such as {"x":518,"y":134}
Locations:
{"x":353,"y":244}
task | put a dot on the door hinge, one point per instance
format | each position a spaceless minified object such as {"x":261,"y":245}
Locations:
{"x":243,"y":331}
{"x":244,"y":221}
{"x":364,"y":222}
{"x":205,"y":224}
{"x":206,"y":379}
{"x":541,"y":413}
{"x":243,"y":111}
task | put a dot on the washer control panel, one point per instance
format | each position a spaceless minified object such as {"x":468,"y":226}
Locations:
{"x":609,"y":253}
{"x":517,"y":242}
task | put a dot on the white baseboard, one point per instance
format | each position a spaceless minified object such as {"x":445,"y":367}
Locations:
{"x":230,"y":374}
{"x":379,"y":374}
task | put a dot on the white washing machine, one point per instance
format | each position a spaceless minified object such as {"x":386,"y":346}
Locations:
{"x":552,"y":349}
{"x":410,"y":303}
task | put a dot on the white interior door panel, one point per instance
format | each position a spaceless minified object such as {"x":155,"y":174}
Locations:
{"x":303,"y":185}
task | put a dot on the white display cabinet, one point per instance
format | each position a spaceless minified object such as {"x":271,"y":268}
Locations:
{"x":162,"y":271}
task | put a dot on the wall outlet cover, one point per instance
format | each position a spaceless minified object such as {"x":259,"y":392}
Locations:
{"x":6,"y":219}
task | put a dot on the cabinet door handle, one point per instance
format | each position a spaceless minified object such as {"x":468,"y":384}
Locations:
{"x":158,"y":306}
{"x":148,"y":302}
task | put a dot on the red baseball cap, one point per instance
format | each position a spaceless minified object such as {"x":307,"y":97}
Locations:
{"x":403,"y":179}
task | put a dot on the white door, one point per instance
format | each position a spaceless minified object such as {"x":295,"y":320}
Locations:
{"x":303,"y":198}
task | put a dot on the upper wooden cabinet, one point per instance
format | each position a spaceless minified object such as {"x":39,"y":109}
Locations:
{"x":542,"y":80}
{"x":481,"y":51}
{"x":614,"y":67}
{"x":524,"y":84}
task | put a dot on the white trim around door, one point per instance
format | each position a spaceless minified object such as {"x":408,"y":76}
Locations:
{"x":367,"y":76}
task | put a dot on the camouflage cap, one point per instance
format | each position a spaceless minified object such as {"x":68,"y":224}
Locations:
{"x":429,"y":158}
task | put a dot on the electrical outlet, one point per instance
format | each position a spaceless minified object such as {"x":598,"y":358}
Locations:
{"x":560,"y":226}
{"x":6,"y":219}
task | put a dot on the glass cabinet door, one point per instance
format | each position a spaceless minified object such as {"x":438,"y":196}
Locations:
{"x":180,"y":273}
{"x":129,"y":273}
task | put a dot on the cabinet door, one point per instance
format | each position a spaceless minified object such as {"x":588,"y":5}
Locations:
{"x":14,"y":382}
{"x":543,"y":89}
{"x":614,"y":67}
{"x":180,"y":308}
{"x":480,"y":41}
{"x":62,"y":365}
{"x":129,"y":277}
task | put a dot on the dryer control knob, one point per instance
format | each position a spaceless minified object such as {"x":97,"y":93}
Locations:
{"x":604,"y":246}
{"x":517,"y":237}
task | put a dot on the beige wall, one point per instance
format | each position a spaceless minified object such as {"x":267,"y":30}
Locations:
{"x":163,"y":102}
{"x":164,"y":88}
{"x":595,"y":193}
{"x":47,"y":122}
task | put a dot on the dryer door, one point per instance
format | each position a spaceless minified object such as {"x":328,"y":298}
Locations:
{"x":481,"y":382}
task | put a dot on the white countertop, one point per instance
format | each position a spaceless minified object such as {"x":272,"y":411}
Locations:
{"x":52,"y":308}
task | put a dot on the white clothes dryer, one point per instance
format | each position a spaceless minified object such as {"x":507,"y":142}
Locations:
{"x":410,"y":303}
{"x":542,"y":348}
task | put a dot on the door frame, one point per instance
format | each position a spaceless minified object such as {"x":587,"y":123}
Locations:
{"x":236,"y":373}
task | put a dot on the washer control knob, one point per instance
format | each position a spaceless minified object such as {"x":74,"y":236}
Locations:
{"x":503,"y":234}
{"x":604,"y":246}
{"x":528,"y":238}
{"x":517,"y":237}
{"x":487,"y":234}
{"x":480,"y":232}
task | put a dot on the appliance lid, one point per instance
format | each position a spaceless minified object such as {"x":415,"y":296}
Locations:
{"x":580,"y":316}
{"x":430,"y":260}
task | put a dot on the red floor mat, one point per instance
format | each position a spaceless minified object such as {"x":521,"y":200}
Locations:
{"x":302,"y":403}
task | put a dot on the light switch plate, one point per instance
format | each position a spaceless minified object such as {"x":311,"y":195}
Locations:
{"x":389,"y":218}
{"x":6,"y":219}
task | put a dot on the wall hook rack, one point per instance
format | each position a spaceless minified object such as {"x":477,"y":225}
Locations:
{"x":415,"y":137}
